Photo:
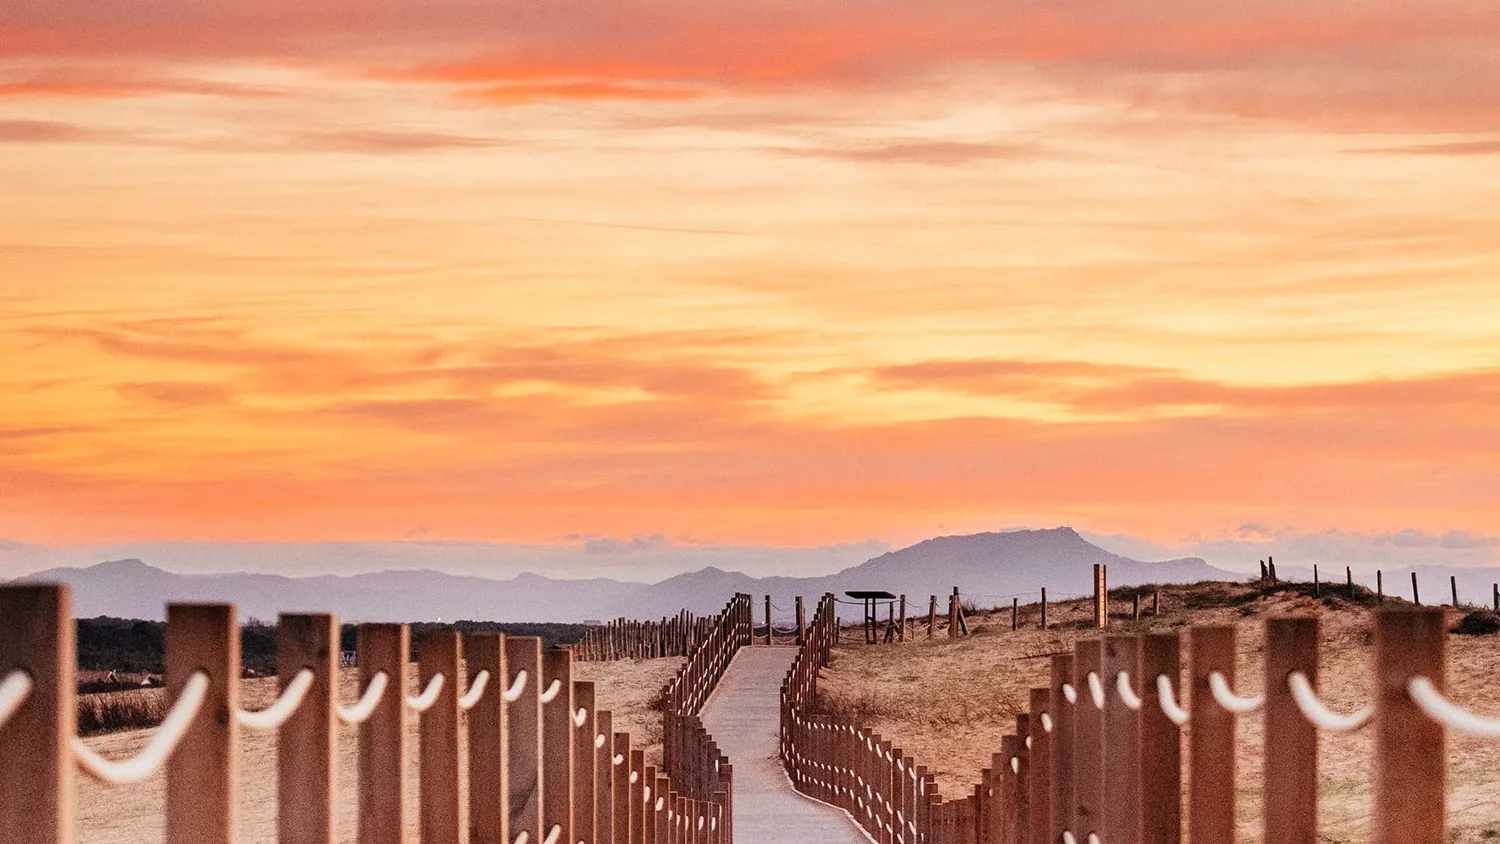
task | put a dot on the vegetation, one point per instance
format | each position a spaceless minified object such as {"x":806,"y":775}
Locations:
{"x":1477,"y":623}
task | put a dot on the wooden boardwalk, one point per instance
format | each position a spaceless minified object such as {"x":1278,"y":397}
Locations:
{"x":743,"y":718}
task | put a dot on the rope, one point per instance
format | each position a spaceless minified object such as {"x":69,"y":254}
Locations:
{"x":476,"y":690}
{"x":429,"y":695}
{"x":1127,"y":694}
{"x":550,"y":693}
{"x":1070,"y":693}
{"x":1096,"y":690}
{"x":580,"y":716}
{"x":277,"y":713}
{"x":1046,"y":722}
{"x":1321,"y":716}
{"x":1431,"y":701}
{"x":552,"y":834}
{"x":598,"y":741}
{"x":1228,"y":699}
{"x":513,"y":694}
{"x":1168,"y":697}
{"x":365,"y":706}
{"x":14,"y":690}
{"x":162,"y":743}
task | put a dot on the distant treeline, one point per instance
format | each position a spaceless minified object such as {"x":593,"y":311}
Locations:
{"x":134,"y":646}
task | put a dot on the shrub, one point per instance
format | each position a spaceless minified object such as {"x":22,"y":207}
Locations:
{"x":132,"y":710}
{"x":1478,"y":623}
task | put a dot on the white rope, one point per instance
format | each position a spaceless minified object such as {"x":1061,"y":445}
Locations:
{"x":550,"y":693}
{"x":1096,"y":690}
{"x":1168,"y":699}
{"x":552,"y":834}
{"x":1127,"y":694}
{"x":598,"y":741}
{"x":619,"y":758}
{"x":513,"y":694}
{"x":156,"y":751}
{"x":660,"y":801}
{"x":476,"y":690}
{"x":580,"y":716}
{"x":1321,"y":716}
{"x":1068,"y":838}
{"x":277,"y":713}
{"x":1228,"y":699}
{"x":1070,"y":693}
{"x":365,"y":706}
{"x":1431,"y":701}
{"x":1046,"y":722}
{"x":14,"y":690}
{"x":523,"y":837}
{"x":429,"y":695}
{"x":1015,"y":765}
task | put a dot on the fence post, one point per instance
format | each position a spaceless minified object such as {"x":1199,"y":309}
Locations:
{"x":619,"y":786}
{"x":1039,"y":772}
{"x":1317,"y":585}
{"x":953,"y":614}
{"x":557,"y":745}
{"x":635,"y":794}
{"x":489,"y":781}
{"x":1453,"y":584}
{"x":903,"y":618}
{"x":768,"y":620}
{"x":1122,"y":726}
{"x":305,"y":751}
{"x":1410,"y":748}
{"x":37,"y":636}
{"x":524,"y":727}
{"x":1291,"y":741}
{"x":1349,"y":580}
{"x":201,"y":792}
{"x":1044,"y":608}
{"x":801,"y":623}
{"x":1211,"y":742}
{"x":1379,"y":588}
{"x":604,"y":797}
{"x":1135,"y":607}
{"x":440,"y":816}
{"x":1061,"y":749}
{"x":1161,"y":743}
{"x":931,"y":616}
{"x":1088,"y":743}
{"x":1415,"y":598}
{"x":583,"y":764}
{"x":1015,"y":614}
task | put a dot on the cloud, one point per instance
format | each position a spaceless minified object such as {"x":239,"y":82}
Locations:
{"x":44,"y":132}
{"x":176,"y":393}
{"x":1477,"y":147}
{"x":611,"y":545}
{"x":931,"y":153}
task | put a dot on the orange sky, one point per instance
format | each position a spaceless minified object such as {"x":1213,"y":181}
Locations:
{"x":773,"y":273}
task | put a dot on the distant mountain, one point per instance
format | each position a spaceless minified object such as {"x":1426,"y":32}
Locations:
{"x":988,"y":567}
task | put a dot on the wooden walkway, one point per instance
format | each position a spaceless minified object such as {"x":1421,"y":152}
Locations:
{"x":743,"y":717}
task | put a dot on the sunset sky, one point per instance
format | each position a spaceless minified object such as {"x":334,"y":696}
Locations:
{"x":752,"y":274}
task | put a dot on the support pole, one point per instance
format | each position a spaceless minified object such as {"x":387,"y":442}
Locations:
{"x":1410,"y":748}
{"x":1044,"y":609}
{"x":37,"y":636}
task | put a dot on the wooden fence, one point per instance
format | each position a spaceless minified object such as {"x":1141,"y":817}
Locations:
{"x":625,"y":638}
{"x":1097,"y":755}
{"x":543,"y":763}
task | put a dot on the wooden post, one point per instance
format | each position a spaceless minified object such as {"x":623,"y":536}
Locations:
{"x":557,"y":745}
{"x":1497,"y":596}
{"x":489,"y":781}
{"x":931,"y":616}
{"x":1044,"y":608}
{"x":1101,"y":596}
{"x":1135,"y":606}
{"x":1349,"y":580}
{"x":524,"y":726}
{"x":1155,"y":603}
{"x":1039,"y":772}
{"x":801,"y":623}
{"x":1088,"y":743}
{"x":619,"y":786}
{"x":1291,"y":741}
{"x":201,"y":792}
{"x":953,"y":614}
{"x":635,"y":794}
{"x":1410,"y":748}
{"x":1415,"y":598}
{"x":1453,"y":585}
{"x":1317,"y":586}
{"x":441,"y":817}
{"x":1271,"y":564}
{"x":1379,"y":588}
{"x":583,"y":764}
{"x":1015,"y":613}
{"x":37,"y":635}
{"x":1161,"y":742}
{"x":768,"y":620}
{"x":1211,"y":741}
{"x":604,"y":797}
{"x":305,"y":750}
{"x":1265,"y":573}
{"x":903,"y":618}
{"x":1061,"y":711}
{"x":1122,"y":727}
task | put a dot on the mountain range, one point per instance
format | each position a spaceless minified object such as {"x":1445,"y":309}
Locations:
{"x":988,"y":568}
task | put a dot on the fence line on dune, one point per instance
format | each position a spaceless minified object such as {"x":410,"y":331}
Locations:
{"x":544,"y":764}
{"x":1097,"y":755}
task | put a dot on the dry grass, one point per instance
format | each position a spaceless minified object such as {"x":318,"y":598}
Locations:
{"x":949,"y":703}
{"x":132,"y":814}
